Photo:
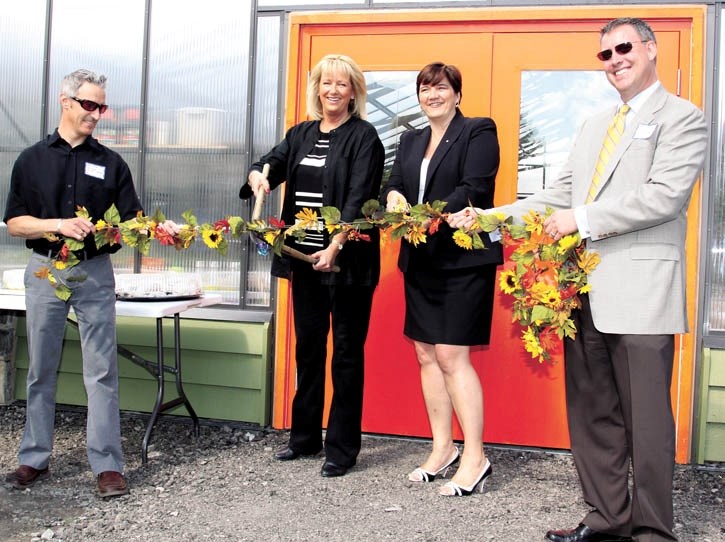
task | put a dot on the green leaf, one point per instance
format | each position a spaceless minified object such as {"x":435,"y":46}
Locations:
{"x":370,"y":207}
{"x":438,"y":206}
{"x":236,"y":225}
{"x":330,"y":215}
{"x":189,"y":217}
{"x":223,"y":247}
{"x":540,"y":312}
{"x":62,"y":292}
{"x":112,"y":216}
{"x":158,"y":216}
{"x":144,"y":245}
{"x":477,"y":241}
{"x":100,"y":239}
{"x":488,"y":222}
{"x":74,"y":244}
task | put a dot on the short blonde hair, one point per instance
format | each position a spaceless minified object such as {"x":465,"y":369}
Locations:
{"x":343,"y":64}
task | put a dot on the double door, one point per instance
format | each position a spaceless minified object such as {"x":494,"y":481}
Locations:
{"x":536,"y":74}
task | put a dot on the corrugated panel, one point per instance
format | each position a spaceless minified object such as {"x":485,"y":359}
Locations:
{"x":116,"y":51}
{"x":265,"y":134}
{"x":196,"y":127}
{"x":21,"y":84}
{"x":716,"y":297}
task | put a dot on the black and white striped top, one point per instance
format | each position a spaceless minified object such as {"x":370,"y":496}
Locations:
{"x":308,"y":193}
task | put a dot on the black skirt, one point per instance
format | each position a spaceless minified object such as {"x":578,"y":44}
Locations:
{"x":449,"y":306}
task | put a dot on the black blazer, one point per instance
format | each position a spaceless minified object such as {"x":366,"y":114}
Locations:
{"x":462,"y":172}
{"x":352,"y":175}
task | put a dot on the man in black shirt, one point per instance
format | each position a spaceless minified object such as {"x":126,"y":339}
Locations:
{"x":49,"y":181}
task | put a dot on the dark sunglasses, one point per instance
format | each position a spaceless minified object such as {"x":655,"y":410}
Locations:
{"x":622,"y":49}
{"x":90,"y":105}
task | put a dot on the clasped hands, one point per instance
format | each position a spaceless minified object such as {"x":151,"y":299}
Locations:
{"x":559,"y":224}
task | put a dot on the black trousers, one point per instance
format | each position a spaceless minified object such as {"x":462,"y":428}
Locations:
{"x":315,"y":307}
{"x":620,"y":415}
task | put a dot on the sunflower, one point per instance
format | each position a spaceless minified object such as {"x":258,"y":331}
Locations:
{"x":532,"y":345}
{"x":212,"y":238}
{"x":463,"y":240}
{"x":508,"y":281}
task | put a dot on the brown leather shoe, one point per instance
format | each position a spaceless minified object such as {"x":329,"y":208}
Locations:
{"x":25,"y":476}
{"x":111,"y":484}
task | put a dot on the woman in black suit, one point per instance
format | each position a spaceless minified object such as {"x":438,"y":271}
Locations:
{"x":448,"y":290}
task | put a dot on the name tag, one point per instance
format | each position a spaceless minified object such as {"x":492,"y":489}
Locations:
{"x":94,"y":170}
{"x":494,"y":235}
{"x":644,"y":131}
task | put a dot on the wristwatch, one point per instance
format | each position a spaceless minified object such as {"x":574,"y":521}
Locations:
{"x":58,"y":225}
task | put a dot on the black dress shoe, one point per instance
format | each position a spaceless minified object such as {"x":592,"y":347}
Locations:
{"x":330,"y":470}
{"x":584,"y":534}
{"x":286,"y":454}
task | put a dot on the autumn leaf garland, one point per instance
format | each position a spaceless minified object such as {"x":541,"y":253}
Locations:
{"x":544,"y":276}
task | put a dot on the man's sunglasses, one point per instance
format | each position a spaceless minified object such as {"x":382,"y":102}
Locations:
{"x":90,"y":105}
{"x":622,"y":49}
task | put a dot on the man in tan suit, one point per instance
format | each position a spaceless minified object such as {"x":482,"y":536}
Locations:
{"x":619,"y":367}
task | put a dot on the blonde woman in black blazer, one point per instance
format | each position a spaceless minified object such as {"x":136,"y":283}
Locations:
{"x":448,"y":290}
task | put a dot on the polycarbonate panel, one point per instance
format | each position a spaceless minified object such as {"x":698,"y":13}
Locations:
{"x":21,"y":97}
{"x":114,"y":50}
{"x":715,"y":297}
{"x":196,"y":120}
{"x":265,"y":134}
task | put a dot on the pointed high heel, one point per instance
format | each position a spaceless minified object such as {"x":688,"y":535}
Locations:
{"x":422,"y":475}
{"x":460,"y":491}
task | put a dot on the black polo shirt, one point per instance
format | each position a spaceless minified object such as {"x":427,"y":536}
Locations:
{"x":51,"y":180}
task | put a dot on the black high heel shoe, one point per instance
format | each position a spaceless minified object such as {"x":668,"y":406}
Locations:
{"x":422,"y":475}
{"x":460,"y":491}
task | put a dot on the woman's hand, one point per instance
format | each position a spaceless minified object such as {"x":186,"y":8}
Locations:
{"x":325,"y":259}
{"x":258,"y":183}
{"x":396,"y":202}
{"x":465,"y":218}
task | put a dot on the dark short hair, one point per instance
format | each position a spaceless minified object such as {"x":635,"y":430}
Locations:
{"x":643,"y":29}
{"x":435,"y":72}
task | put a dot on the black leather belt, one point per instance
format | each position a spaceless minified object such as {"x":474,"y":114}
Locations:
{"x":80,"y":254}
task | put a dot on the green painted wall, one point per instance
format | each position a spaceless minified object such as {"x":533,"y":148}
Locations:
{"x":711,"y":438}
{"x":226,"y":366}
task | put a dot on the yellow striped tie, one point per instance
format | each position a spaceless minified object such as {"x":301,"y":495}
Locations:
{"x":614,"y":132}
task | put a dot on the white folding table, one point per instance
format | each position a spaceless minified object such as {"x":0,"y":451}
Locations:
{"x":13,"y":300}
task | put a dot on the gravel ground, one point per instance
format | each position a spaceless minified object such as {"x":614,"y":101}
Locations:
{"x":225,"y":485}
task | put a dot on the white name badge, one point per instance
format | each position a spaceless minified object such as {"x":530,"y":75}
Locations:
{"x":94,"y":170}
{"x":494,"y":235}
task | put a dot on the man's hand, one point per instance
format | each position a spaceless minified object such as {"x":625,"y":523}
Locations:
{"x":76,"y":227}
{"x":169,"y":227}
{"x":560,"y":223}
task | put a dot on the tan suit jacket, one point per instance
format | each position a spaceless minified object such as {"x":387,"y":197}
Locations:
{"x":638,"y":218}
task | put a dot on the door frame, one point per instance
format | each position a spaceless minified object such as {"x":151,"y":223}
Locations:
{"x":304,"y":26}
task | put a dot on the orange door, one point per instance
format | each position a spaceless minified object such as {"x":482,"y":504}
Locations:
{"x":496,"y":50}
